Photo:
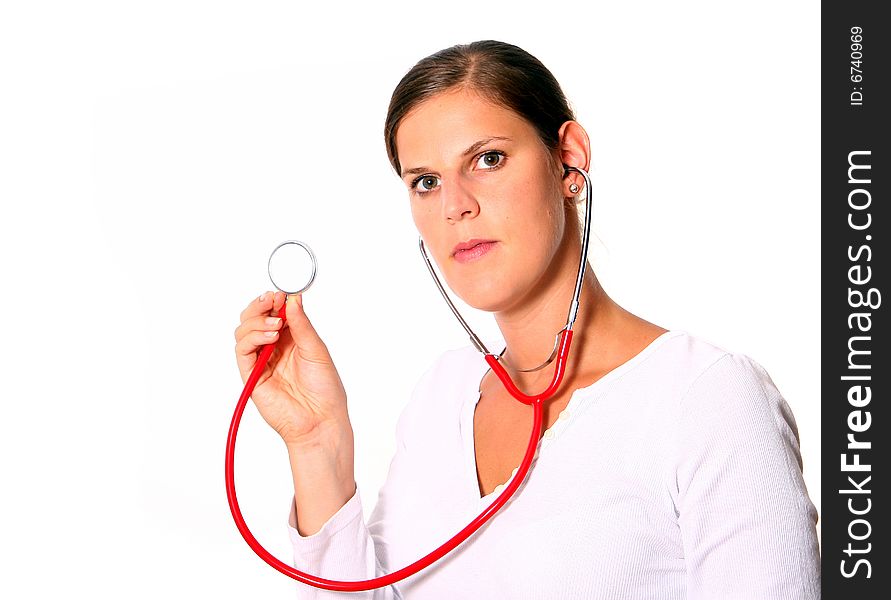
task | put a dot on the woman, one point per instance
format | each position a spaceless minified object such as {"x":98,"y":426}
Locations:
{"x":668,"y":468}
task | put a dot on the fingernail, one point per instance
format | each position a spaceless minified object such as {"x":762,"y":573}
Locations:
{"x":292,"y":298}
{"x":272,"y":320}
{"x":263,"y":296}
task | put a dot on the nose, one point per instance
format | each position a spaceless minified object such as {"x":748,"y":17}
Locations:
{"x":458,"y":202}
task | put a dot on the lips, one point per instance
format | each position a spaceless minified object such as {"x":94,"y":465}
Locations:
{"x":472,"y":250}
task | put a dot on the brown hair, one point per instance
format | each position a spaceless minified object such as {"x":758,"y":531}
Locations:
{"x":502,"y":73}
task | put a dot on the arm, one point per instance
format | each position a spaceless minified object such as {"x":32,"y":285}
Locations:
{"x":323,"y":479}
{"x":746,"y":521}
{"x":341,"y":548}
{"x":340,"y":545}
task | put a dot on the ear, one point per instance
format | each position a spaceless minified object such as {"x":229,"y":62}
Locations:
{"x":575,"y":151}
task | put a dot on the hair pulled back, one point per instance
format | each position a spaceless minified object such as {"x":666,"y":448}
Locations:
{"x":502,"y":73}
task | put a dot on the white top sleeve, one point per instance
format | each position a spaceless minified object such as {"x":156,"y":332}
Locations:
{"x":345,"y":548}
{"x":340,"y":550}
{"x":746,"y":521}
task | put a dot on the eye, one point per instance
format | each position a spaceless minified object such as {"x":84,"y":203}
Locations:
{"x":490,"y":160}
{"x":424,"y":184}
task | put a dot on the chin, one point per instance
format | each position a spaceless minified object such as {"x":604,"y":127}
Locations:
{"x":489,"y":294}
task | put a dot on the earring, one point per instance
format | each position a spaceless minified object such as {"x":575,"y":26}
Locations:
{"x":573,"y":188}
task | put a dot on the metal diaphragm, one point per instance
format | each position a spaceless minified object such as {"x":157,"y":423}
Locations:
{"x":292,"y":267}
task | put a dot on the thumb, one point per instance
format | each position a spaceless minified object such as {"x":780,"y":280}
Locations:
{"x":309,"y":345}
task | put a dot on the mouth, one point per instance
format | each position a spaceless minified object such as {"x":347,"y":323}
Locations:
{"x":472,"y":250}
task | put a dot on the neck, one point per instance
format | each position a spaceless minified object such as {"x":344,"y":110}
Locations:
{"x":530,"y":329}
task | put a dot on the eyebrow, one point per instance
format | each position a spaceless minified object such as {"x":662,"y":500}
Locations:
{"x":470,"y":150}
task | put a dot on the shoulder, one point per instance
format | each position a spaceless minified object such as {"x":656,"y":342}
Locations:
{"x":731,"y":383}
{"x":711,"y":388}
{"x":730,"y":406}
{"x":453,"y":371}
{"x":698,"y":366}
{"x":686,"y":357}
{"x":443,"y":388}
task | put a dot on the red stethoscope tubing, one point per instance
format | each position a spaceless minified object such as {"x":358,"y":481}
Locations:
{"x":370,"y":584}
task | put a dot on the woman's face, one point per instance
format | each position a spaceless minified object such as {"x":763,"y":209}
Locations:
{"x":485,"y":194}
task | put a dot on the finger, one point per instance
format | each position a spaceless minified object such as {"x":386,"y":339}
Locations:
{"x":258,"y":323}
{"x":246,"y":350}
{"x":279,"y":301}
{"x":259,"y":306}
{"x":308,"y":343}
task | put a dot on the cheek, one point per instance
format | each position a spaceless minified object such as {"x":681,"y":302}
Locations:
{"x":422,"y":218}
{"x":557,"y":220}
{"x":545,"y":229}
{"x":417,"y":217}
{"x":426,"y":222}
{"x":543,"y":220}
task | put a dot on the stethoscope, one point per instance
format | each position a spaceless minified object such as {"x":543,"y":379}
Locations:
{"x":560,"y":352}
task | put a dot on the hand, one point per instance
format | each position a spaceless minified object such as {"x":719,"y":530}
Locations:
{"x":299,"y":394}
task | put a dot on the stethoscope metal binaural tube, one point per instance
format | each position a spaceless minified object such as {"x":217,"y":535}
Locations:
{"x":565,"y":338}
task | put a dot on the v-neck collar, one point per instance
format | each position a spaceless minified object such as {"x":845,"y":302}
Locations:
{"x":548,"y":437}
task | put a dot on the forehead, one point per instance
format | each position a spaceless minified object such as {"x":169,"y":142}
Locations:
{"x":446,"y":124}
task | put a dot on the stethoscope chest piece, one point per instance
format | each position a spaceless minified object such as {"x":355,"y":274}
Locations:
{"x":292,"y":267}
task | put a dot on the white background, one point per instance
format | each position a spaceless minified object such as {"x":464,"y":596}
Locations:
{"x":152,"y":154}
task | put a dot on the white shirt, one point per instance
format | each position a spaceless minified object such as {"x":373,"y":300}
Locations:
{"x":677,"y":475}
